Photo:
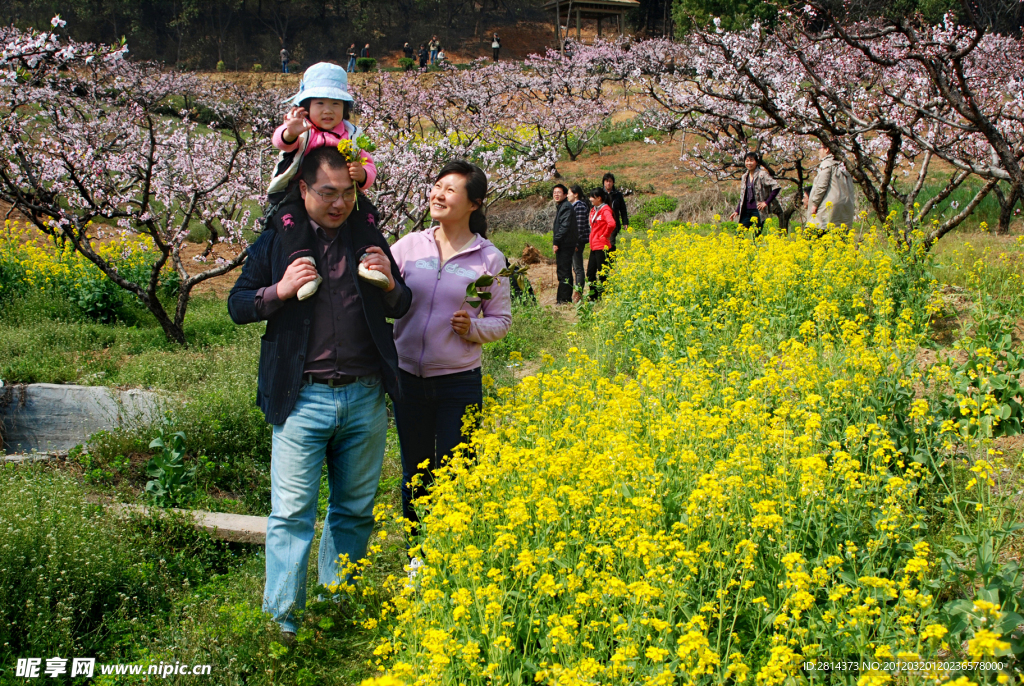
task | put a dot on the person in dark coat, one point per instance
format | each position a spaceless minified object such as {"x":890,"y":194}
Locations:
{"x":325,"y":364}
{"x":424,"y":56}
{"x":565,"y":239}
{"x":618,"y":206}
{"x":407,"y":51}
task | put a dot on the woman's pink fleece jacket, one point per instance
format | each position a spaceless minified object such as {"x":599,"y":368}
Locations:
{"x":427,"y":345}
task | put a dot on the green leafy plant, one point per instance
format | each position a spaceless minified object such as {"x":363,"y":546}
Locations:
{"x":173,"y":482}
{"x":366,"y":64}
{"x":986,"y":387}
{"x":407,"y":63}
{"x":257,"y":67}
{"x":475,"y":297}
{"x":221,"y":66}
{"x":651,"y":208}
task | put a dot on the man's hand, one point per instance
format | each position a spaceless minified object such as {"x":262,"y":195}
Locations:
{"x":460,"y":322}
{"x":376,"y":260}
{"x":299,"y":273}
{"x":358,"y":174}
{"x":814,"y":210}
{"x":732,"y":217}
{"x":761,"y":206}
{"x":555,"y":247}
{"x":296,"y":123}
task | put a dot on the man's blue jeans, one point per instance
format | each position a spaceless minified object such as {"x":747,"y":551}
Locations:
{"x":351,"y":64}
{"x":347,"y":426}
{"x":433,"y":56}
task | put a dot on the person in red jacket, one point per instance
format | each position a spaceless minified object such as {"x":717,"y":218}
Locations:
{"x":602,"y":223}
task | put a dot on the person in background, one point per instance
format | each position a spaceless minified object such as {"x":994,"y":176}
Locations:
{"x":284,"y":61}
{"x":365,"y":52}
{"x":831,"y":198}
{"x":618,"y":208}
{"x":441,"y":57}
{"x":424,"y":56}
{"x":564,"y":239}
{"x":407,"y":51}
{"x":352,"y":57}
{"x":495,"y":45}
{"x":440,"y":340}
{"x":758,"y":191}
{"x":602,"y":224}
{"x":434,"y":46}
{"x":582,"y":210}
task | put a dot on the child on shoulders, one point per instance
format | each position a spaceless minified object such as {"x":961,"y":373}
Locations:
{"x":319,"y":117}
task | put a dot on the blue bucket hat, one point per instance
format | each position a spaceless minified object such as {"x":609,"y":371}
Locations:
{"x":323,"y":80}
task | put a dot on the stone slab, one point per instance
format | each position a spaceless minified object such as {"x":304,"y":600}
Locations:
{"x":30,"y":457}
{"x":54,"y":417}
{"x":228,"y":527}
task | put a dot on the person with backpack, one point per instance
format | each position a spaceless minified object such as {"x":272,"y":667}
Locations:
{"x":565,"y":237}
{"x":831,"y":199}
{"x":495,"y":46}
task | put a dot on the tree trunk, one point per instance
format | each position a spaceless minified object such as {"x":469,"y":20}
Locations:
{"x":1006,"y":205}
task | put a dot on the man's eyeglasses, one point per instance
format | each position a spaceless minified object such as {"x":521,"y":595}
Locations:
{"x":331,"y":197}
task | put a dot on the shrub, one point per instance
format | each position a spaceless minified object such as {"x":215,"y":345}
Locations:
{"x":407,"y":63}
{"x":366,"y":64}
{"x":257,"y":67}
{"x":221,"y":67}
{"x":649,"y":208}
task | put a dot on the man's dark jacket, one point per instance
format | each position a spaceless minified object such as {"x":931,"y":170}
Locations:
{"x":618,"y":205}
{"x":565,"y":233}
{"x":283,"y":347}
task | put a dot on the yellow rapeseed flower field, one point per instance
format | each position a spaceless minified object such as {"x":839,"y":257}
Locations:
{"x":750,"y":491}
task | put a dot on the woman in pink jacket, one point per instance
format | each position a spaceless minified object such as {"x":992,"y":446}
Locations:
{"x":440,"y":339}
{"x":602,"y":223}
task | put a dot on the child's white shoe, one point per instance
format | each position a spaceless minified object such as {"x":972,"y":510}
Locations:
{"x":308,"y":289}
{"x":373,"y":276}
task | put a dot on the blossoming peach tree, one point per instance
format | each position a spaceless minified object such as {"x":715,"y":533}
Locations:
{"x":92,"y":145}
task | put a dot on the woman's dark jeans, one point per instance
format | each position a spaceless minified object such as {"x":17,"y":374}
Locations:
{"x":594,"y":275}
{"x":746,"y":215}
{"x":429,"y":419}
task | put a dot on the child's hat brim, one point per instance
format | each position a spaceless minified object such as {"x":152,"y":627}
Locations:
{"x":323,"y":80}
{"x":325,"y":92}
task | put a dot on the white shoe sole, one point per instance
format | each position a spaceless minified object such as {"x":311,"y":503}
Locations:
{"x":307,"y":290}
{"x":372,"y":276}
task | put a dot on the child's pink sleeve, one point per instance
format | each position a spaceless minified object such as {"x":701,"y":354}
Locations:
{"x":279,"y":140}
{"x":370,"y":167}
